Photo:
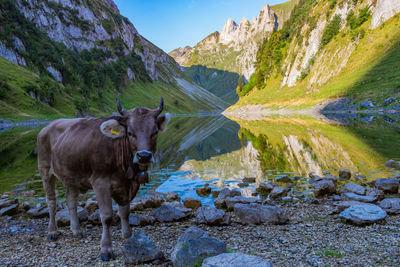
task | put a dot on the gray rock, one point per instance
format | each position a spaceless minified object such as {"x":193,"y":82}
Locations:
{"x":140,"y":249}
{"x":389,"y":101}
{"x":235,"y":260}
{"x":353,"y":188}
{"x":231,"y":201}
{"x":179,"y":206}
{"x":387,"y":185}
{"x":258,"y":214}
{"x":168,"y":214}
{"x":344,"y":174}
{"x":63,"y":218}
{"x":363,"y":214}
{"x":212,"y":216}
{"x":367,"y":104}
{"x":324,"y":187}
{"x":172,"y":196}
{"x":356,"y":197}
{"x":224,"y":194}
{"x":4,"y":203}
{"x":9,"y":210}
{"x":331,"y":178}
{"x":193,"y":246}
{"x":279,"y":191}
{"x":25,"y":205}
{"x":38,"y":212}
{"x":153,"y":199}
{"x":391,"y":205}
{"x":141,"y":220}
{"x":340,"y":206}
{"x":375,"y":192}
{"x":282,"y":179}
{"x":265,"y":188}
{"x":392,"y":164}
{"x":95,"y":218}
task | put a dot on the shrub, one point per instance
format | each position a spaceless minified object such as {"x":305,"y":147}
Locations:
{"x":331,"y":30}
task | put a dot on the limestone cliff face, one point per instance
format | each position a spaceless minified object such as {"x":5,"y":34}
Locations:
{"x":81,"y":24}
{"x":385,"y":9}
{"x":234,"y":48}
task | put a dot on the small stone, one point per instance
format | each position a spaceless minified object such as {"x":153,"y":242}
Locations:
{"x":91,"y":205}
{"x":203,"y":191}
{"x":392,"y":164}
{"x":168,"y":214}
{"x":363,"y":214}
{"x":140,"y":249}
{"x":265,"y":188}
{"x":249,"y":180}
{"x":192,"y":203}
{"x":353,"y":188}
{"x":279,"y":191}
{"x":324,"y":187}
{"x":258,"y":214}
{"x":212,"y":216}
{"x":141,"y":220}
{"x":193,"y":246}
{"x":282,"y":179}
{"x":235,"y":260}
{"x":172,"y":196}
{"x":355,"y":197}
{"x":375,"y":192}
{"x":387,"y":185}
{"x":10,"y":210}
{"x":344,"y":174}
{"x":391,"y":205}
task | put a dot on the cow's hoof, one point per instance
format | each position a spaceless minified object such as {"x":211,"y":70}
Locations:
{"x":107,"y":256}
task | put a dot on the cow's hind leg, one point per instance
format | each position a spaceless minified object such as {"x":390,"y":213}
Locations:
{"x":103,"y":195}
{"x":124,"y":215}
{"x":72,"y":195}
{"x":49,"y":185}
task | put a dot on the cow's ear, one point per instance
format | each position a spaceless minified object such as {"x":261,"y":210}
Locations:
{"x":112,"y":128}
{"x":162,"y":121}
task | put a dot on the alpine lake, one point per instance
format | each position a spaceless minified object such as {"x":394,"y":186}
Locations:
{"x":215,"y":150}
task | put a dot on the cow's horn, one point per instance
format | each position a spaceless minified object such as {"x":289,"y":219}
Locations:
{"x":120,"y":109}
{"x":160,"y":107}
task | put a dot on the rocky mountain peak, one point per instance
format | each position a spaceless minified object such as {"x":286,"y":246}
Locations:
{"x":228,"y":32}
{"x":112,"y":5}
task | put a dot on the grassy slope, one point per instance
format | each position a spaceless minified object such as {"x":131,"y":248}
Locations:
{"x":284,"y":10}
{"x":371,"y":72}
{"x":18,"y":105}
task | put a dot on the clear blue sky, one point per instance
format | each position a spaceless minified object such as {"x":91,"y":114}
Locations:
{"x":170,"y":24}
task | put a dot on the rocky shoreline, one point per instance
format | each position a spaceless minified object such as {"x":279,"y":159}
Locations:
{"x":345,"y":223}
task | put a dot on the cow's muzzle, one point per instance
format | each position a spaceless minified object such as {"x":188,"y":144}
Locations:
{"x":143,"y":157}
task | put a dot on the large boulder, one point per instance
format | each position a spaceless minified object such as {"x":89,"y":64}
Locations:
{"x":63,"y":218}
{"x":168,"y":214}
{"x":231,"y":201}
{"x":391,"y":205}
{"x":140,"y":249}
{"x":235,"y":260}
{"x":141,"y":220}
{"x":324,"y":187}
{"x":193,"y":246}
{"x":258,"y":214}
{"x":212,"y":216}
{"x":340,"y":206}
{"x":387,"y":185}
{"x":363,"y":214}
{"x":353,"y":188}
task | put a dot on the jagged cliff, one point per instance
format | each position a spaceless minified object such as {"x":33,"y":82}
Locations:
{"x":91,"y":50}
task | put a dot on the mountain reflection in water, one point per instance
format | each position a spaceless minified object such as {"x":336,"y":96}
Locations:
{"x":221,"y":152}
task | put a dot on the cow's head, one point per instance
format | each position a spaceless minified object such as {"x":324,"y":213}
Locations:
{"x":140,"y":126}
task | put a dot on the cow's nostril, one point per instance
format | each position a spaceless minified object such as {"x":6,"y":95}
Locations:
{"x":144,"y":156}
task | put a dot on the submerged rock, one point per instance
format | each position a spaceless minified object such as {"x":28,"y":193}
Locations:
{"x":283,"y":179}
{"x":249,"y":180}
{"x":363,"y":214}
{"x":140,"y":249}
{"x":212,"y":216}
{"x":235,"y":260}
{"x":172,"y":196}
{"x":193,"y":246}
{"x":192,"y":203}
{"x":203,"y":191}
{"x":259,"y":214}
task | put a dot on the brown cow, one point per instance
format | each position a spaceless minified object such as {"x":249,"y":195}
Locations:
{"x":110,"y":155}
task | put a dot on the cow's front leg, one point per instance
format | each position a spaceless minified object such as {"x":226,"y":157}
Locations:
{"x":124,"y":215}
{"x":103,"y":196}
{"x":72,"y":195}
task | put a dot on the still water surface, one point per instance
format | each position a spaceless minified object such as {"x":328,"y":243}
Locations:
{"x":194,"y":151}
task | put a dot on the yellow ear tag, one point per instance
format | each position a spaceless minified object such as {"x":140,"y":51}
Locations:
{"x":114,"y":132}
